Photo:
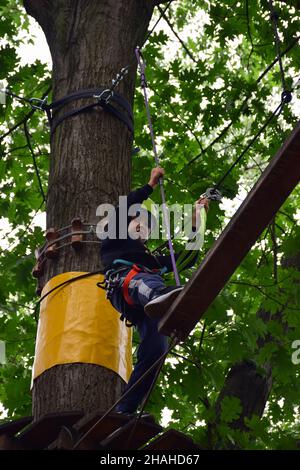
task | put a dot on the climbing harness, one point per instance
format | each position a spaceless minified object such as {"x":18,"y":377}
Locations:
{"x":135,"y":269}
{"x":112,"y":277}
{"x":111,"y":280}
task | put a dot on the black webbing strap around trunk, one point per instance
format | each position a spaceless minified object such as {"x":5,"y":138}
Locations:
{"x":125,"y":114}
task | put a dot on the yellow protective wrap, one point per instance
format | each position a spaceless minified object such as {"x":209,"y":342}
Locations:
{"x":78,"y":324}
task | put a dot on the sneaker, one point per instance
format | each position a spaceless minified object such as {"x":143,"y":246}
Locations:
{"x":158,"y":306}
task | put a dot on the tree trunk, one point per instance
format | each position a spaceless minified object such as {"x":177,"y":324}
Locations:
{"x":244,"y":381}
{"x":90,"y":42}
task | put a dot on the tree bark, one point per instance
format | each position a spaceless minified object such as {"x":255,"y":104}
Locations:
{"x":90,"y":42}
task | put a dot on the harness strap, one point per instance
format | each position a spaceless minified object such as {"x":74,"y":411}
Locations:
{"x":124,"y":114}
{"x":135,"y":269}
{"x":106,"y":106}
{"x":132,"y":273}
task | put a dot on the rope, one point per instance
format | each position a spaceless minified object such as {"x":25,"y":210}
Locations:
{"x":142,"y":67}
{"x":286,"y":95}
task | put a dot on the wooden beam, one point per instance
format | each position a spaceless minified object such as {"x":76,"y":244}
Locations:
{"x":265,"y":199}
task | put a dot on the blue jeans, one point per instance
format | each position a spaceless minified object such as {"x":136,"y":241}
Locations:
{"x":142,"y":288}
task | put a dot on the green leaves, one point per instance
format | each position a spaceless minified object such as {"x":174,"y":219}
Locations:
{"x":8,"y":61}
{"x":204,"y":113}
{"x":230,"y":409}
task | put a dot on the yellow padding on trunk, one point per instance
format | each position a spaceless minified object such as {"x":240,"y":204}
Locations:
{"x":78,"y":324}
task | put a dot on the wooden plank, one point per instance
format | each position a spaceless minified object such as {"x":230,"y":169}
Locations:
{"x":114,"y":419}
{"x":123,"y":439}
{"x":42,"y":432}
{"x":172,"y":440}
{"x":102,"y":429}
{"x":12,"y":427}
{"x":10,"y":443}
{"x":66,"y":439}
{"x":265,"y":199}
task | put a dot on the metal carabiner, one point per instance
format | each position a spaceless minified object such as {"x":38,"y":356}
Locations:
{"x":40,"y":105}
{"x":142,"y":66}
{"x":101,"y":98}
{"x":212,"y":194}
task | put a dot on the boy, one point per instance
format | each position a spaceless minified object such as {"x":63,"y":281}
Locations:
{"x":141,"y":296}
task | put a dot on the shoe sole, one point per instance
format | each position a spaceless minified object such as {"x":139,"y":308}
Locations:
{"x":157,"y":307}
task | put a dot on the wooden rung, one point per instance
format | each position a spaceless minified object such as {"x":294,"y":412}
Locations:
{"x":11,"y":443}
{"x":143,"y":432}
{"x":42,"y":432}
{"x":102,"y":429}
{"x":85,"y":423}
{"x":12,"y":427}
{"x":172,"y":440}
{"x":265,"y":199}
{"x":66,"y":439}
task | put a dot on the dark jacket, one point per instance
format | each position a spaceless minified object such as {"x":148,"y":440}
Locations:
{"x":135,"y":250}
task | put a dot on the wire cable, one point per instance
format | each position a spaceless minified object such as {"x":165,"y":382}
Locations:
{"x":249,"y":145}
{"x":146,"y":373}
{"x":173,"y":342}
{"x":274,"y":18}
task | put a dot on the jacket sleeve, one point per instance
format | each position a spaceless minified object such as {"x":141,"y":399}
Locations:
{"x":139,"y":195}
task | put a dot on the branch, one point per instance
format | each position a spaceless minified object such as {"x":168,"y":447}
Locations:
{"x":225,"y":130}
{"x":175,"y":114}
{"x":43,"y":11}
{"x":159,"y":2}
{"x":20,"y":123}
{"x":27,"y":135}
{"x":38,"y":8}
{"x":177,"y":36}
{"x":255,"y":286}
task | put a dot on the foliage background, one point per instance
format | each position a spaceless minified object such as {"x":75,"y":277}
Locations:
{"x":209,"y":96}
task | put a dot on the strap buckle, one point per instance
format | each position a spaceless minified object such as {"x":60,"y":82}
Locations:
{"x":109,"y":93}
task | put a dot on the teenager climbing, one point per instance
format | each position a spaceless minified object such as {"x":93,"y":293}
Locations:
{"x":135,"y":285}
